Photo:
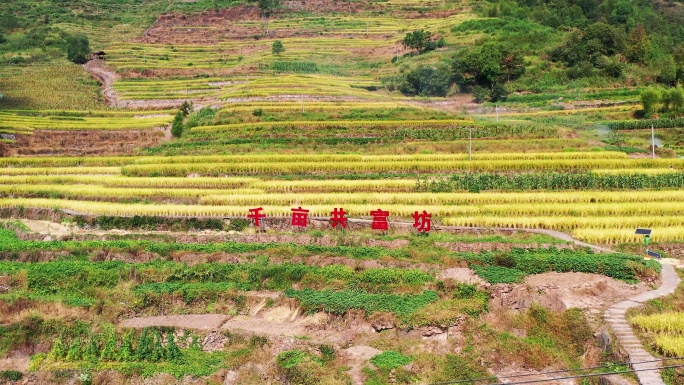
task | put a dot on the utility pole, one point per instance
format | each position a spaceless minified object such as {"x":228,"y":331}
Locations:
{"x":470,"y":143}
{"x":496,"y":108}
{"x":652,"y":142}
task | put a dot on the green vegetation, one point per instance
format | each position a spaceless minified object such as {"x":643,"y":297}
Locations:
{"x":277,"y":48}
{"x":389,"y":360}
{"x":78,"y":49}
{"x":514,"y":266}
{"x":477,"y":182}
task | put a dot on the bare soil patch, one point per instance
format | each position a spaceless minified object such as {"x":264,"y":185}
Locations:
{"x":18,"y":363}
{"x":189,"y":321}
{"x":89,"y":142}
{"x":561,"y":291}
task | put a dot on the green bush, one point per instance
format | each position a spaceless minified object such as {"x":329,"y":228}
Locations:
{"x":340,"y":302}
{"x":389,"y":360}
{"x":426,"y":81}
{"x":11,"y":375}
{"x":177,"y":125}
{"x":78,"y":49}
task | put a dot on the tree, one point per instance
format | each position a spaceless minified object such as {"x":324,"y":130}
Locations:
{"x":186,"y":108}
{"x":78,"y":48}
{"x":677,"y":100}
{"x":487,"y":65}
{"x":616,"y":138}
{"x":499,"y":93}
{"x":420,"y":41}
{"x":637,"y":44}
{"x":277,"y":48}
{"x":177,"y":125}
{"x":267,"y":6}
{"x":650,"y":98}
{"x":426,"y":81}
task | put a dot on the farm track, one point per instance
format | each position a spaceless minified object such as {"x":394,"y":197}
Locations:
{"x":615,"y":316}
{"x":106,"y":78}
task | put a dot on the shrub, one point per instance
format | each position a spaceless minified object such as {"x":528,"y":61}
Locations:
{"x":78,"y":49}
{"x":650,"y":99}
{"x":389,"y":360}
{"x":177,"y":125}
{"x":277,"y":48}
{"x":426,"y":81}
{"x":11,"y":375}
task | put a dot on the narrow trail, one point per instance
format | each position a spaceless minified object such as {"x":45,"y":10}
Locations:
{"x":615,"y":316}
{"x":106,"y":78}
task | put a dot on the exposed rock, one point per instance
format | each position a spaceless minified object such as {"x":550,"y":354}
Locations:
{"x":616,"y":380}
{"x":603,"y":339}
{"x":214,"y":341}
{"x":230,"y":378}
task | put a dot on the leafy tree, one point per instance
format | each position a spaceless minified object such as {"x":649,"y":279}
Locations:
{"x":487,"y":65}
{"x":617,"y":138}
{"x":267,"y":6}
{"x":480,"y":94}
{"x":277,"y":48}
{"x":650,"y":98}
{"x":637,"y":44}
{"x":78,"y":48}
{"x":677,"y":100}
{"x":598,"y":40}
{"x":426,"y":81}
{"x":177,"y":125}
{"x":668,"y":71}
{"x":499,"y":93}
{"x":186,"y":108}
{"x":420,"y":40}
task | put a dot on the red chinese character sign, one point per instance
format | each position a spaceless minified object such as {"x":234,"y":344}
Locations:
{"x":380,"y":220}
{"x":299,"y":217}
{"x":422,"y":221}
{"x":255,"y":215}
{"x":338,"y":217}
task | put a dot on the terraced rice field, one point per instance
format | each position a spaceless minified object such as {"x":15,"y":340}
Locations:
{"x":227,"y":186}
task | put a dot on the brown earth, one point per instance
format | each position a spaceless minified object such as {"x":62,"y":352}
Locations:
{"x":214,"y":26}
{"x":561,"y":291}
{"x":89,"y":142}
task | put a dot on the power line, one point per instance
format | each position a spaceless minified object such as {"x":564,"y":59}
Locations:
{"x":565,"y":371}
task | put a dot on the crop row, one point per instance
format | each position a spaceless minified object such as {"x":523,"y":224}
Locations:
{"x":294,"y":158}
{"x":255,"y":192}
{"x":619,"y":225}
{"x":671,"y":323}
{"x":443,"y":205}
{"x":617,"y":179}
{"x":418,"y":166}
{"x":645,"y":124}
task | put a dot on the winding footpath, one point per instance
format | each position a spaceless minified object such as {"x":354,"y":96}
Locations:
{"x":615,"y":316}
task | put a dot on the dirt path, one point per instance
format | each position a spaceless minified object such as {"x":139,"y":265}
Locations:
{"x":188,"y":321}
{"x":106,"y":78}
{"x":648,"y":373}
